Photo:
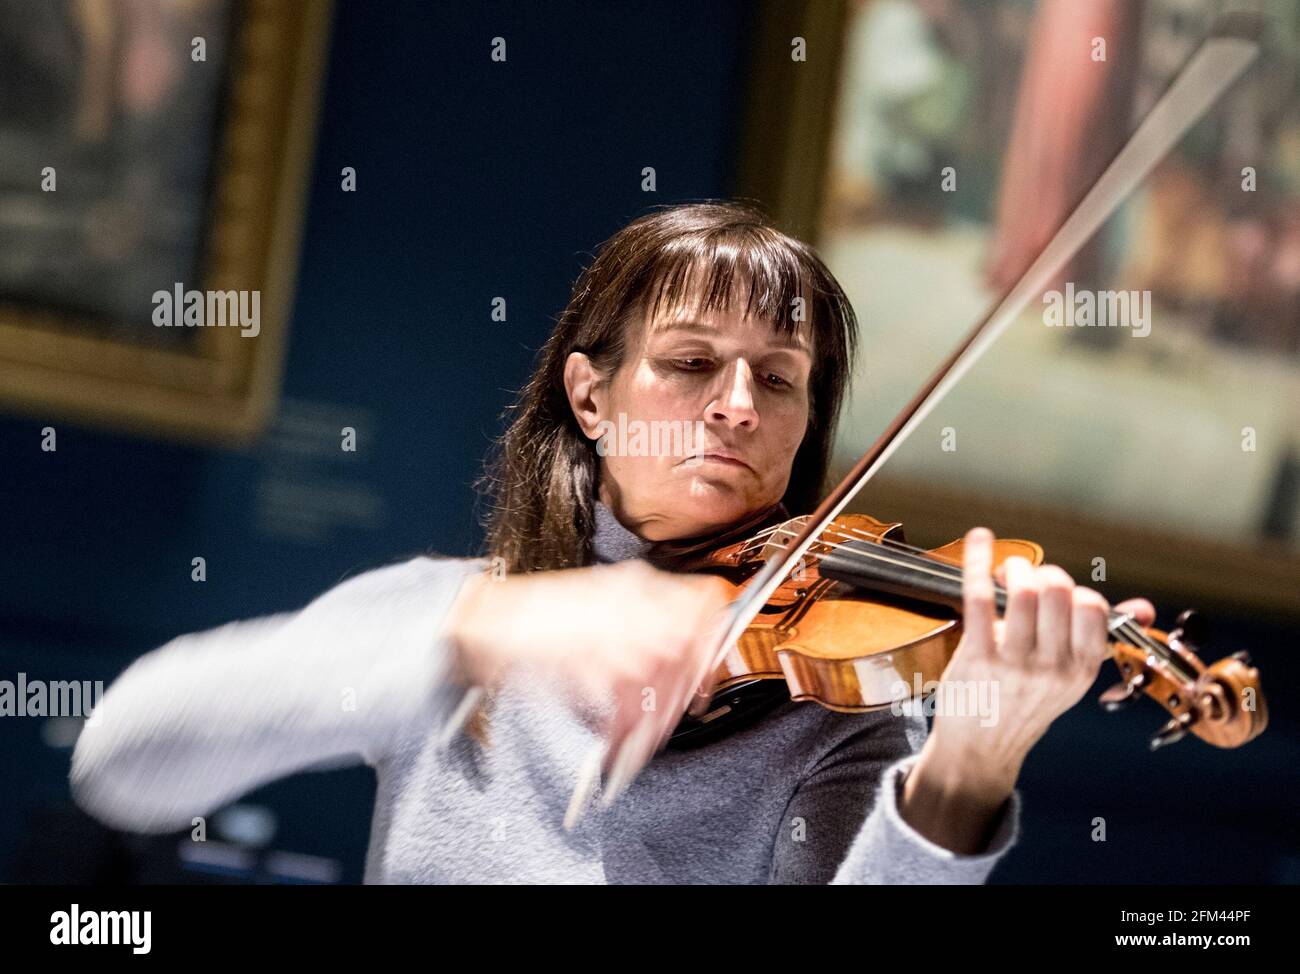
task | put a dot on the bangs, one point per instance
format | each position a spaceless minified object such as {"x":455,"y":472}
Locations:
{"x":715,"y":269}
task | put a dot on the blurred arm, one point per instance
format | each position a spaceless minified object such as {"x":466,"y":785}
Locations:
{"x":212,"y":715}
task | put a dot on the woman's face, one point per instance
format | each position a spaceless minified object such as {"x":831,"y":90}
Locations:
{"x":701,"y":421}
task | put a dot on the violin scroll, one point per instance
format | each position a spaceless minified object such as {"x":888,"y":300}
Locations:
{"x":1222,"y":704}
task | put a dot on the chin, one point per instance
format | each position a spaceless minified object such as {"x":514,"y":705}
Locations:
{"x":713,"y":504}
{"x":688,"y":503}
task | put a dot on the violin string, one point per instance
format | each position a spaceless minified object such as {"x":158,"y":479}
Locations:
{"x":952,"y":573}
{"x":757,"y":539}
{"x":760,"y":539}
{"x":1126,"y":627}
{"x":1133,"y":633}
{"x":923,"y":562}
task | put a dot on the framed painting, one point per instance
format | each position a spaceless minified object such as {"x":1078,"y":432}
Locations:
{"x":152,"y":175}
{"x":929,"y":149}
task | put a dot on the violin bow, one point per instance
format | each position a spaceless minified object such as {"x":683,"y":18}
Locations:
{"x":1223,"y":56}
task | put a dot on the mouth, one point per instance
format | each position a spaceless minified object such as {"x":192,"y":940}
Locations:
{"x":720,"y":458}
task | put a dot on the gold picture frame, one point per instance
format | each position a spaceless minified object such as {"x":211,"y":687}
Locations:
{"x":785,"y":153}
{"x":222,"y":386}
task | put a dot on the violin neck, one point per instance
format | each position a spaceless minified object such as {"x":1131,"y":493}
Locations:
{"x":877,"y":568}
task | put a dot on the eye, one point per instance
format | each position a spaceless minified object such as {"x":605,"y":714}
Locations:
{"x":777,"y":381}
{"x":691,"y":364}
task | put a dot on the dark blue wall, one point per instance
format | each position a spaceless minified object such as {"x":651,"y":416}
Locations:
{"x":475,"y":179}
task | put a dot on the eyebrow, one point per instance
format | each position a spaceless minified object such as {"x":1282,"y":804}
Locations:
{"x":698,"y":327}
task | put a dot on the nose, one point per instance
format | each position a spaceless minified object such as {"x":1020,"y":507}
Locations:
{"x":734,"y":403}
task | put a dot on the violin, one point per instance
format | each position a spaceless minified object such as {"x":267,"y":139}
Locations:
{"x":866,"y":620}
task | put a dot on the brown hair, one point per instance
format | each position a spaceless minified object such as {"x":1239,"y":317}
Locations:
{"x":543,"y":478}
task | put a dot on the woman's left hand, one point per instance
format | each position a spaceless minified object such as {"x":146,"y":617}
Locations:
{"x":1028,"y":668}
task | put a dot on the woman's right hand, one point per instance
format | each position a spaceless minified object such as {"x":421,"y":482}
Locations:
{"x":629,"y":645}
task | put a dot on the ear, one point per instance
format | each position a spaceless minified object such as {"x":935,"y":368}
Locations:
{"x":583,"y":386}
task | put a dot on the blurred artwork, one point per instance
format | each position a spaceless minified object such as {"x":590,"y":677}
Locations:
{"x":106,"y":95}
{"x":965,"y":132}
{"x":152,"y":147}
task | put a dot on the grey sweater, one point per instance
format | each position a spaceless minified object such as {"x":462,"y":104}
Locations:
{"x":805,"y":795}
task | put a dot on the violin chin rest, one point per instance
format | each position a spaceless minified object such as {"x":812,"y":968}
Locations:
{"x":731,"y":710}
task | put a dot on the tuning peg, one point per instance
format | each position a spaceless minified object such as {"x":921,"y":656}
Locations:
{"x":1173,"y":731}
{"x":1123,"y":693}
{"x":1190,"y":629}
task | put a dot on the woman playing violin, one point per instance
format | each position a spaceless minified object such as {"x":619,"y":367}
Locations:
{"x":704,"y":320}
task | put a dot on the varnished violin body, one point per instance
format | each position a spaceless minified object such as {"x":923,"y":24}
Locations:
{"x":864,"y":616}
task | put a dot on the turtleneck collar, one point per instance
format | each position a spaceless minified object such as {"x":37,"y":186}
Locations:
{"x":613,"y":542}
